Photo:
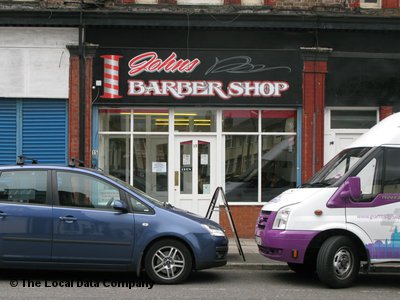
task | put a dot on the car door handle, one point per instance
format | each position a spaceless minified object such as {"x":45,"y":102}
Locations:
{"x":68,"y":219}
{"x":2,"y":215}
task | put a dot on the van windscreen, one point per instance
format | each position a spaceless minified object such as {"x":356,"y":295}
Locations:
{"x":337,"y":167}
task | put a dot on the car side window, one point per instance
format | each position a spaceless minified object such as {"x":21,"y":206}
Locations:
{"x":391,"y":179}
{"x":139,"y":207}
{"x":23,"y":186}
{"x":81,"y":190}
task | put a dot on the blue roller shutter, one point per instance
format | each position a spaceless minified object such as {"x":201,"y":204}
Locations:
{"x":8,"y":131}
{"x":44,"y":130}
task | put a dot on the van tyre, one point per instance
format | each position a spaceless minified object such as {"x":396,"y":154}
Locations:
{"x":168,"y":262}
{"x":338,"y":262}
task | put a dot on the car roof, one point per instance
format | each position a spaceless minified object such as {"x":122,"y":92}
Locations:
{"x":48,"y":167}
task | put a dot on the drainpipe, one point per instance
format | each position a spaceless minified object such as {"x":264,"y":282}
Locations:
{"x":82,"y":86}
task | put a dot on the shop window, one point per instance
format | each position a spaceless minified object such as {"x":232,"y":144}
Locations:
{"x":194,"y":120}
{"x":114,"y":155}
{"x":278,"y":121}
{"x":278,"y":165}
{"x":150,"y":120}
{"x":353,"y":119}
{"x":114,"y":120}
{"x":150,"y":157}
{"x":241,"y":173}
{"x":251,"y":175}
{"x":240,"y":120}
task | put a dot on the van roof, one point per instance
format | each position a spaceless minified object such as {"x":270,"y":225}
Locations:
{"x":385,"y":132}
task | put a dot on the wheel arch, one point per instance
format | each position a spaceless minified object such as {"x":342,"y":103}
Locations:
{"x":318,"y":240}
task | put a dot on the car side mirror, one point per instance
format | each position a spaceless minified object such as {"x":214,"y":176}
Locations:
{"x":352,"y":188}
{"x":120,"y":206}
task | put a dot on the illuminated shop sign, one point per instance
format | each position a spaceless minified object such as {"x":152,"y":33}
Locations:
{"x":170,"y":77}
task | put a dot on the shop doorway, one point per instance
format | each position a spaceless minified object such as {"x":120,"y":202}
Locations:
{"x":194,"y":172}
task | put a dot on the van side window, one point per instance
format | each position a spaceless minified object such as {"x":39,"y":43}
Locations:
{"x":371,"y":178}
{"x":391,"y":179}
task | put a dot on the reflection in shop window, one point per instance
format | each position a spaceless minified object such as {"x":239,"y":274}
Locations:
{"x":114,"y":155}
{"x":241,"y":173}
{"x":278,"y":165}
{"x":251,"y":176}
{"x":278,"y":121}
{"x":194,"y":120}
{"x":150,"y":120}
{"x":114,"y":119}
{"x":240,"y":120}
{"x":150,"y":157}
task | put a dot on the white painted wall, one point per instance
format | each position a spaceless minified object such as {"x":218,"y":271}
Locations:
{"x":34,"y":62}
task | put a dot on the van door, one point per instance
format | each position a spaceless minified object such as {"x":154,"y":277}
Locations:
{"x":378,"y":211}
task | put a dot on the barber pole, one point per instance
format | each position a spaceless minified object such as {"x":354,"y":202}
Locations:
{"x":111,"y":76}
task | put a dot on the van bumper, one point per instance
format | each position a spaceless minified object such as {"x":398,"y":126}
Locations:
{"x":284,"y":245}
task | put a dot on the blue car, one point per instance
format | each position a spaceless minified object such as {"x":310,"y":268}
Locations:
{"x":54,"y":217}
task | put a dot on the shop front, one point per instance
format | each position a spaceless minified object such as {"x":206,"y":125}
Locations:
{"x":177,"y":125}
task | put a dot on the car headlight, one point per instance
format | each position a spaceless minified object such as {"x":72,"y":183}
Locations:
{"x":213,"y":230}
{"x":282,"y":217}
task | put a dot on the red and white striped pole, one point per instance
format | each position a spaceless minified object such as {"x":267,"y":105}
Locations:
{"x":111,"y":76}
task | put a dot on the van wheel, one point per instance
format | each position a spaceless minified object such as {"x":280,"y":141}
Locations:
{"x":168,"y":262}
{"x":338,"y":262}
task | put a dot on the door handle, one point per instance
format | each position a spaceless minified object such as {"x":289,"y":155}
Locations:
{"x":176,"y":178}
{"x":2,"y":215}
{"x":68,"y":219}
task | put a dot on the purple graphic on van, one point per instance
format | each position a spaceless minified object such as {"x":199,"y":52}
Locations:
{"x":387,"y":248}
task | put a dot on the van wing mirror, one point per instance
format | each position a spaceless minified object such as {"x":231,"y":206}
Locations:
{"x":352,"y":188}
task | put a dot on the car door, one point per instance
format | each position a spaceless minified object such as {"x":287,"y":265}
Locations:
{"x":87,"y":229}
{"x":378,"y":211}
{"x":25,"y":216}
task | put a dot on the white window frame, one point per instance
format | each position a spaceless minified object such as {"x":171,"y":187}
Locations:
{"x":376,"y":5}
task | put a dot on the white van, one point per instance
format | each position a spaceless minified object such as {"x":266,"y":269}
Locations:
{"x":346,"y":216}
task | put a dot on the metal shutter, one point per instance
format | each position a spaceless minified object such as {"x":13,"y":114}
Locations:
{"x":8,"y":131}
{"x":44,"y":130}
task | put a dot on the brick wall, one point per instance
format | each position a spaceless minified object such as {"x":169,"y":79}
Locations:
{"x":244,"y":218}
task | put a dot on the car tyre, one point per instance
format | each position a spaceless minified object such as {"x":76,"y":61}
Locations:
{"x":338,"y":262}
{"x":168,"y":262}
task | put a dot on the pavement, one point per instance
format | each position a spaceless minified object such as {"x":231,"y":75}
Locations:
{"x":255,"y":261}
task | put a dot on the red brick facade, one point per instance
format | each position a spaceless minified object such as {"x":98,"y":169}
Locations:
{"x":385,"y":111}
{"x":315,"y":69}
{"x":73,"y":109}
{"x":244,"y":217}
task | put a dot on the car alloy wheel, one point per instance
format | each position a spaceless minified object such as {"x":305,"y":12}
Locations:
{"x":168,"y":261}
